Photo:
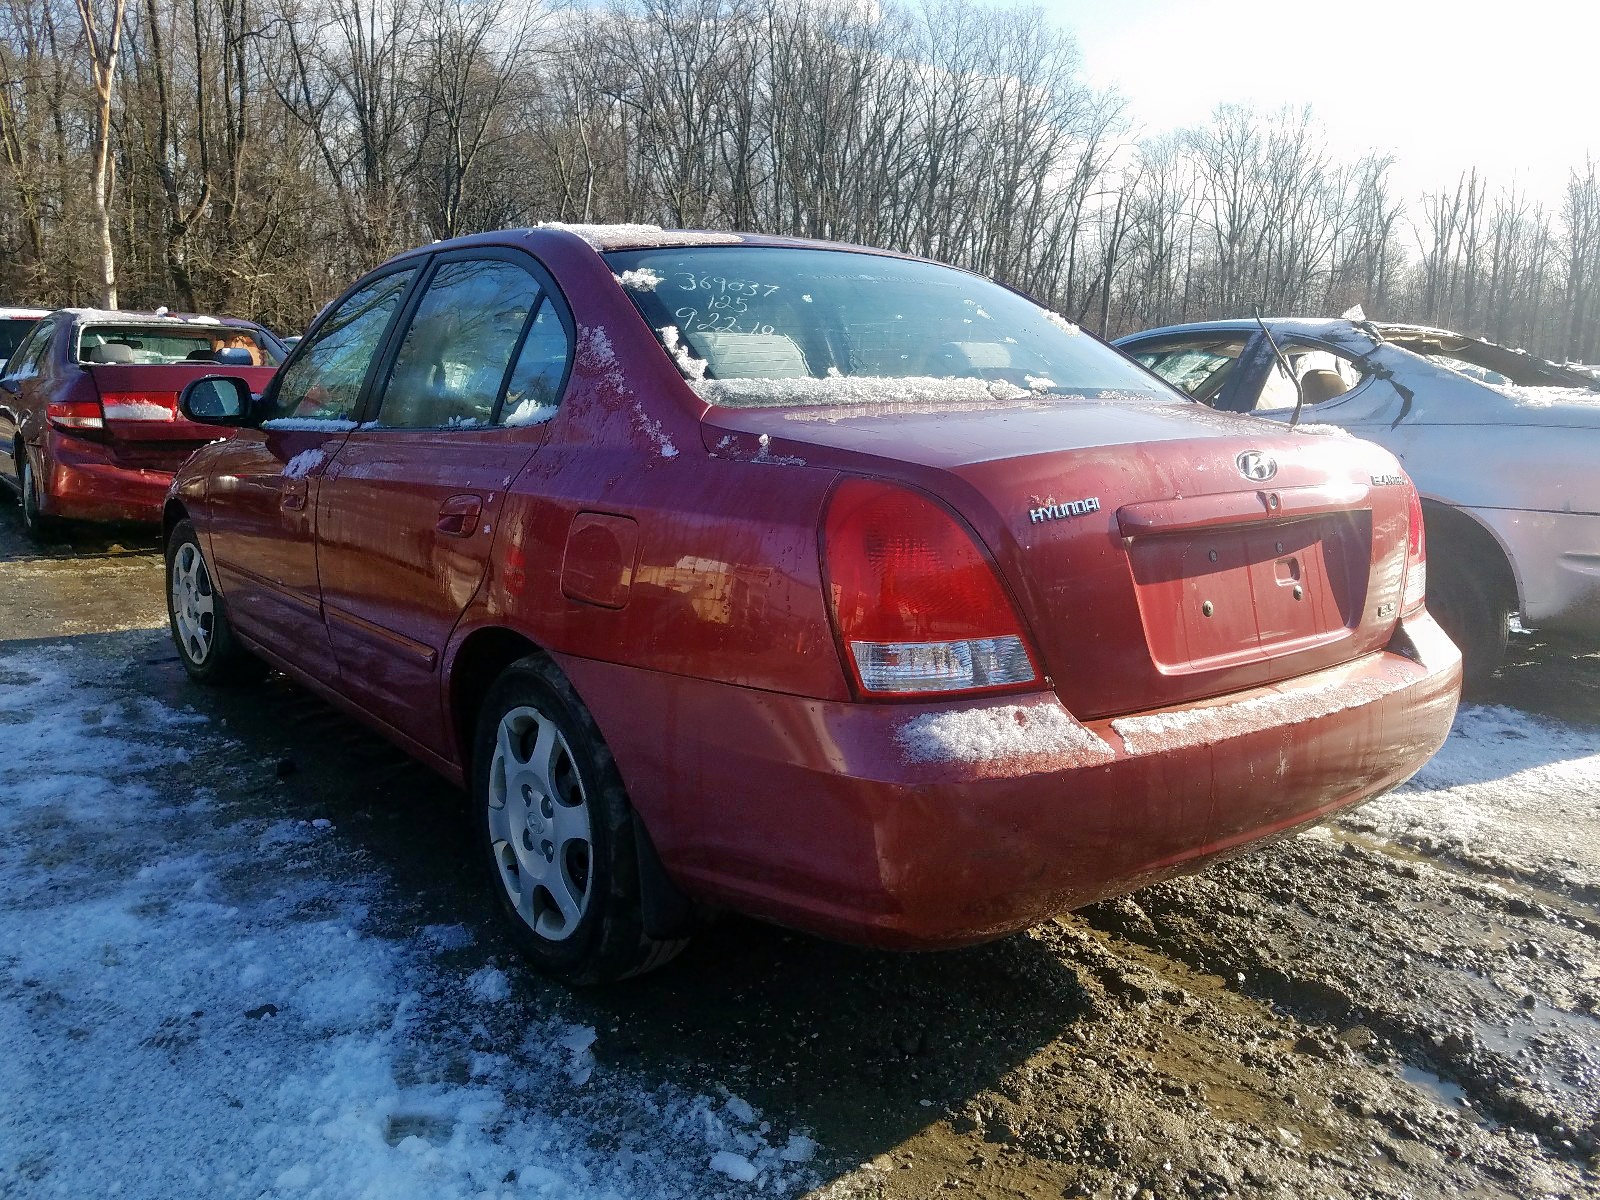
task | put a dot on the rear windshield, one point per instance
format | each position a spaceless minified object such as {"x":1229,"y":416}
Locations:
{"x":12,"y":331}
{"x":759,"y":325}
{"x":162,"y":345}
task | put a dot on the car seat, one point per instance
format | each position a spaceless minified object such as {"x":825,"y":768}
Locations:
{"x":1322,"y":385}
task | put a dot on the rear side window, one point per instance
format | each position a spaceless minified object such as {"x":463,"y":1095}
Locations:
{"x":534,"y":390}
{"x":1322,"y":375}
{"x":450,"y":367}
{"x":324,"y":381}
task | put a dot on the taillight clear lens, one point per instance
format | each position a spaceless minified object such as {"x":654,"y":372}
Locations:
{"x":1416,"y":589}
{"x":85,"y":414}
{"x":918,"y":606}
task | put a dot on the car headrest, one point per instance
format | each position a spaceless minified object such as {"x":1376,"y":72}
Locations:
{"x":111,"y":352}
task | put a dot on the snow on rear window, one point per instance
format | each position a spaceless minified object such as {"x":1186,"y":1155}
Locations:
{"x":782,"y":325}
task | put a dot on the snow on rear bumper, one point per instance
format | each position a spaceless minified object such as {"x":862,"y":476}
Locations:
{"x":940,"y":825}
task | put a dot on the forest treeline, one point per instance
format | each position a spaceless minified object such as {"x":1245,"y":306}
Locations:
{"x":253,"y":156}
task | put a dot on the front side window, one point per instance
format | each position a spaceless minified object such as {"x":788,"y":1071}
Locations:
{"x":453,"y":360}
{"x":324,"y":381}
{"x":760,"y":325}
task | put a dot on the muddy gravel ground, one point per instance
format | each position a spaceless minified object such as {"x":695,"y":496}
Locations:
{"x":1405,"y":1003}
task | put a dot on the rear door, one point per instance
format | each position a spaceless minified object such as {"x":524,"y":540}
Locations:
{"x":408,"y":506}
{"x":262,"y":490}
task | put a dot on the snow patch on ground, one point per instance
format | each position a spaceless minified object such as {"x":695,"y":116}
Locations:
{"x":1007,"y":731}
{"x":195,"y":1003}
{"x":1509,"y":791}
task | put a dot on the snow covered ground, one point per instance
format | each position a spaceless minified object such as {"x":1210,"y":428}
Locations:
{"x":221,"y":980}
{"x":193,"y":1003}
{"x":1513,"y":794}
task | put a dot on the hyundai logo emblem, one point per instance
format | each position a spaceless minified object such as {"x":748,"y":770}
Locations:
{"x":1256,"y":466}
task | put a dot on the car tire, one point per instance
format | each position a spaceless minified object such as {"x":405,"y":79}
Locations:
{"x":207,"y":647}
{"x":1468,"y":607}
{"x":556,"y":831}
{"x":35,"y":523}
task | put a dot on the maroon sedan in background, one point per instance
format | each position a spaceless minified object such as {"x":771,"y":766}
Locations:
{"x":845,"y":589}
{"x":89,"y":423}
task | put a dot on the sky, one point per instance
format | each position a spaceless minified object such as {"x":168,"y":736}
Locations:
{"x":1511,"y":87}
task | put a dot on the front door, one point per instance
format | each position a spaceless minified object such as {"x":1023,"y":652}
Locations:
{"x":409,"y":505}
{"x":262,"y":498}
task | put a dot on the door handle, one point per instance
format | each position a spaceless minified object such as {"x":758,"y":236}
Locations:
{"x":294,"y":495}
{"x":458,"y":516}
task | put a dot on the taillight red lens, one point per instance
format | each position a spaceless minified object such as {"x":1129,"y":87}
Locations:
{"x":140,"y":406}
{"x":918,"y":606}
{"x":77,"y":414}
{"x":1416,"y":589}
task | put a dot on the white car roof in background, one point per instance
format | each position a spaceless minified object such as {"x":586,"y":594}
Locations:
{"x":23,"y":314}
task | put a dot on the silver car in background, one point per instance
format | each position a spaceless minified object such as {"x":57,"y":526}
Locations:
{"x":1504,"y":447}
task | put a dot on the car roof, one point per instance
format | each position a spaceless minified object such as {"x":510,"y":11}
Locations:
{"x":120,"y":316}
{"x":23,"y":314}
{"x":605,"y":238}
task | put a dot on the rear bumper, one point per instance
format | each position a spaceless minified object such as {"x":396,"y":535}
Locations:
{"x":925,"y":826}
{"x":85,"y":483}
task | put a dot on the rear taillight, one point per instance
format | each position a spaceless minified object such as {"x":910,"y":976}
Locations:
{"x":1416,"y":589}
{"x":140,"y":406}
{"x":75,"y":414}
{"x":918,"y":605}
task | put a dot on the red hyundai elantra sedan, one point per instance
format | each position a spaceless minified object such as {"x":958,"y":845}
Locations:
{"x":841,"y":588}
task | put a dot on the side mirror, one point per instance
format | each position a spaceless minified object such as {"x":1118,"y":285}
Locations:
{"x":9,"y":384}
{"x":217,"y":400}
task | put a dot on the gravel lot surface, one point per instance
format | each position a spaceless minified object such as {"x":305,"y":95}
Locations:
{"x":244,"y":952}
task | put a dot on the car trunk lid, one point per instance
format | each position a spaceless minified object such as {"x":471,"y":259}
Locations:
{"x":140,"y":402}
{"x":1149,"y":568}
